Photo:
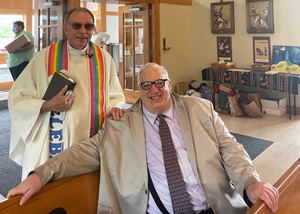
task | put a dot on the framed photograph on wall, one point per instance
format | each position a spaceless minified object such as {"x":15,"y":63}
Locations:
{"x":224,"y":49}
{"x":222,"y":17}
{"x":261,"y":50}
{"x":259,"y":15}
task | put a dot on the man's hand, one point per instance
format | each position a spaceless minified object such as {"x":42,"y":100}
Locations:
{"x":59,"y":102}
{"x":29,"y":187}
{"x":265,"y":192}
{"x":117,"y":113}
{"x":24,"y":47}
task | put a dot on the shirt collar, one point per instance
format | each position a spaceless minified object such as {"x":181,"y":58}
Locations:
{"x":152,"y":117}
{"x":74,"y":51}
{"x":19,"y":32}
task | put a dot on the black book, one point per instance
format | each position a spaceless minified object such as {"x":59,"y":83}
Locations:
{"x":57,"y":83}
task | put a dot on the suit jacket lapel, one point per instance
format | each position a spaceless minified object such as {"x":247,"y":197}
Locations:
{"x":186,"y":131}
{"x":138,"y":136}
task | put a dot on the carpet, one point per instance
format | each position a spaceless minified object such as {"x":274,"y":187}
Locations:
{"x":254,"y":146}
{"x":10,"y":172}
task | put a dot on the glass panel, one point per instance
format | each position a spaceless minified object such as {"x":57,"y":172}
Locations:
{"x":43,"y":38}
{"x":138,"y":18}
{"x":6,"y":37}
{"x":92,"y":6}
{"x":127,"y":19}
{"x":53,"y":16}
{"x":139,"y":51}
{"x":6,"y":33}
{"x":43,"y":17}
{"x":112,"y":28}
{"x":129,"y":69}
{"x":53,"y":35}
{"x":138,"y":40}
{"x":113,"y":7}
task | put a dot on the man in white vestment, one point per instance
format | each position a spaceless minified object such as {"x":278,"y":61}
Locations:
{"x":41,"y":129}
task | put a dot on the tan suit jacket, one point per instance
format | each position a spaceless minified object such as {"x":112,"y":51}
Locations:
{"x":221,"y":165}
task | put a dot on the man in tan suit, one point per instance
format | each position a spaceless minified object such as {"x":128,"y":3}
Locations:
{"x":217,"y":172}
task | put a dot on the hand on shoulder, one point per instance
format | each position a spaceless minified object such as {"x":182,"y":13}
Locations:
{"x":116,"y":113}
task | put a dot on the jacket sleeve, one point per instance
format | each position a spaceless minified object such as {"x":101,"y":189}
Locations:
{"x":236,"y":160}
{"x":81,"y":158}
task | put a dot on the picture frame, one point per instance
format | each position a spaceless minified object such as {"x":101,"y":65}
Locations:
{"x":261,"y":50}
{"x":222,"y":17}
{"x":224,"y":49}
{"x":259,"y":16}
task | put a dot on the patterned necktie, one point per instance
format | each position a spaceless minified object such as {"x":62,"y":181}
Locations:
{"x":179,"y":196}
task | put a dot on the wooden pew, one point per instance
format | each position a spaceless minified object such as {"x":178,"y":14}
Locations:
{"x":289,"y":190}
{"x":77,"y":194}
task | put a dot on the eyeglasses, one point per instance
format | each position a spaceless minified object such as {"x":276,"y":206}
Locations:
{"x":158,"y":84}
{"x":78,"y":26}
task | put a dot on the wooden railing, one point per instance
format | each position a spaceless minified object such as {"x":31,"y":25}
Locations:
{"x":5,"y":85}
{"x":77,"y":194}
{"x":2,"y":58}
{"x":289,"y":190}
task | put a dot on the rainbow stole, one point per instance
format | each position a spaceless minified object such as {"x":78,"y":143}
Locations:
{"x":58,"y":60}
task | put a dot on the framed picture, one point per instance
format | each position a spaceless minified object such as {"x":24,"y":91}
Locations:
{"x":259,"y":15}
{"x":224,"y":49}
{"x":286,"y":53}
{"x":261,"y":50}
{"x":222,"y":17}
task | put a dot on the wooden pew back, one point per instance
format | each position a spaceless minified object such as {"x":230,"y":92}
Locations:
{"x":288,"y":187}
{"x":77,"y":194}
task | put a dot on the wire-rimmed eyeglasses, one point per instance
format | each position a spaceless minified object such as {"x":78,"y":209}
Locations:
{"x":147,"y":85}
{"x":78,"y":26}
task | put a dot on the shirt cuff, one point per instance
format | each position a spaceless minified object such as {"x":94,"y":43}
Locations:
{"x":246,"y":199}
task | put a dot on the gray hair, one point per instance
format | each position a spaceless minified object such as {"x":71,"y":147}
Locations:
{"x":150,"y":65}
{"x":78,"y":9}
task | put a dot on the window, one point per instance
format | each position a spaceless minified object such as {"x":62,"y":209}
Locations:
{"x":6,"y":33}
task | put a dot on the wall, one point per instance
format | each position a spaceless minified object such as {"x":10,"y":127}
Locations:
{"x":193,"y":46}
{"x":176,"y":27}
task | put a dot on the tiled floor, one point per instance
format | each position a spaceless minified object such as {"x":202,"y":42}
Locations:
{"x":5,"y":75}
{"x":274,"y":161}
{"x":4,"y":95}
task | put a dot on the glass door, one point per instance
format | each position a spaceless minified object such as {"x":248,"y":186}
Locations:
{"x":6,"y":36}
{"x":133,"y":47}
{"x":49,"y":19}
